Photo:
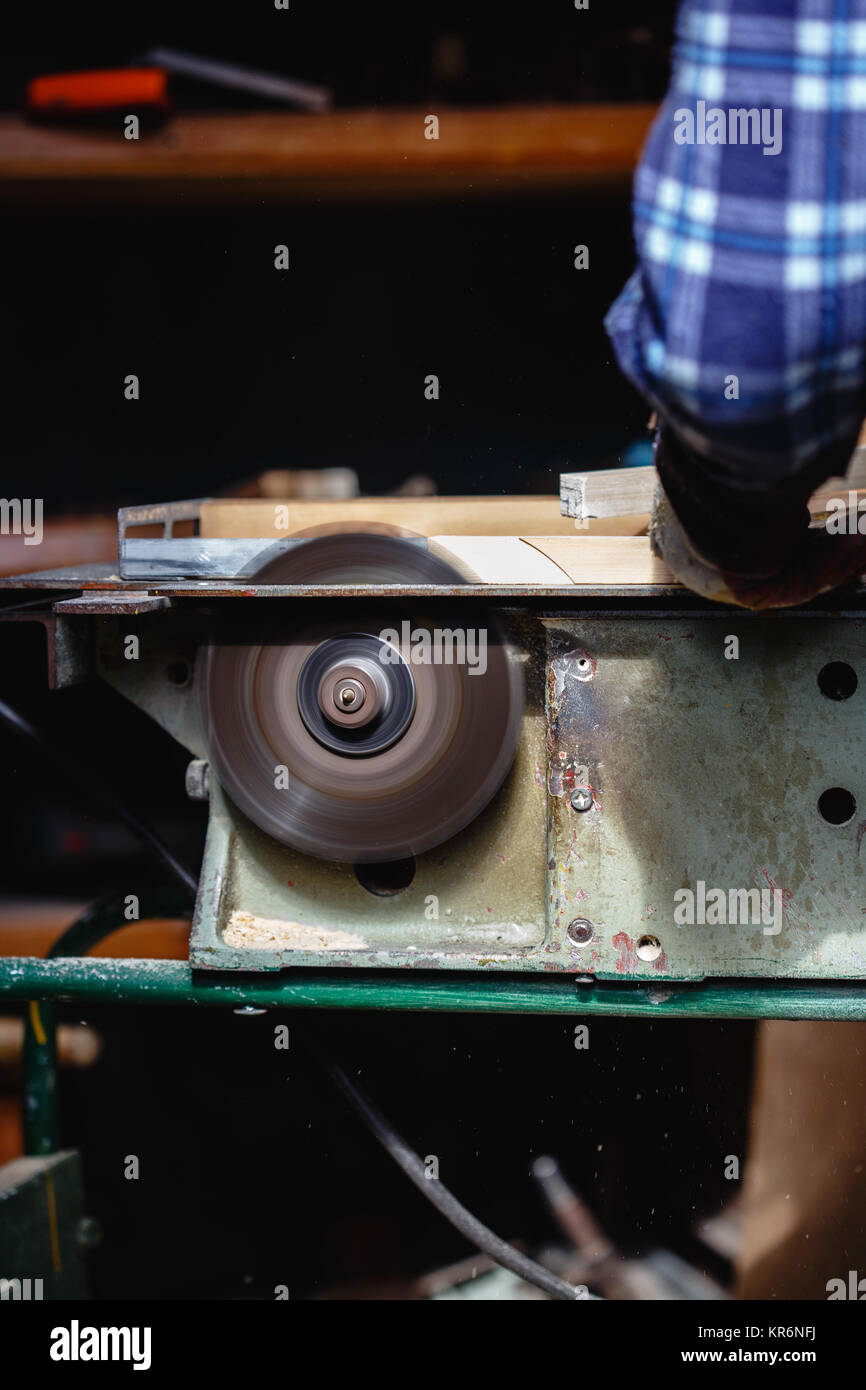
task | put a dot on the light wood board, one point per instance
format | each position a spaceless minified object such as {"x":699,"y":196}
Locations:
{"x":587,"y":561}
{"x":627,"y":494}
{"x":425,"y":516}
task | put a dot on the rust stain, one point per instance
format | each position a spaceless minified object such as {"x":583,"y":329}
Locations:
{"x":627,"y":960}
{"x":787,"y":896}
{"x":580,"y":654}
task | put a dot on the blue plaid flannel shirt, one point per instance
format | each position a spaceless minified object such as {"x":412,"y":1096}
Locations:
{"x":753,"y":265}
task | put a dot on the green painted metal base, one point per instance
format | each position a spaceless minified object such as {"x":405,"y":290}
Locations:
{"x":94,"y":980}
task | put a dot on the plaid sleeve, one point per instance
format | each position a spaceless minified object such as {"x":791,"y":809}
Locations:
{"x":745,"y":320}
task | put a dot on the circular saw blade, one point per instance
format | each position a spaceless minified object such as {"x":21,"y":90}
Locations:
{"x":450,"y":755}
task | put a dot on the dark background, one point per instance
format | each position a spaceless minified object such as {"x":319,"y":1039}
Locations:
{"x":253,"y":1171}
{"x":243,"y":368}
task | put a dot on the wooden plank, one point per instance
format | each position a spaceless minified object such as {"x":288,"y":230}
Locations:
{"x":588,"y":561}
{"x":497,"y":560}
{"x":425,"y":516}
{"x":617,"y":494}
{"x":344,"y":154}
{"x":608,"y":492}
{"x":635,"y":525}
{"x":593,"y":560}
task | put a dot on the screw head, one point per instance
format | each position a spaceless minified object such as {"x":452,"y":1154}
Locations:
{"x":580,"y":931}
{"x":581,"y":799}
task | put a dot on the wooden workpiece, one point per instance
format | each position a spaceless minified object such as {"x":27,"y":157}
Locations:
{"x":490,"y":540}
{"x":424,"y":516}
{"x":587,"y":561}
{"x":625,"y":495}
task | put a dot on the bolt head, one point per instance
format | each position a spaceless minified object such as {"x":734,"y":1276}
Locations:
{"x":347,"y":695}
{"x":580,"y":931}
{"x":581,"y":799}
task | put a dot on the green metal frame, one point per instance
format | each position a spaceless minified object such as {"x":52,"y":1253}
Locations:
{"x":64,"y":978}
{"x":40,"y":1121}
{"x":97,"y":980}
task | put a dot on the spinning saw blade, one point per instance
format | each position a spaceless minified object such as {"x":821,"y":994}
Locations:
{"x":390,"y":749}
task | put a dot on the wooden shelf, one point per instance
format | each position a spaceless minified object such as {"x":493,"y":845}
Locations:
{"x":517,"y":150}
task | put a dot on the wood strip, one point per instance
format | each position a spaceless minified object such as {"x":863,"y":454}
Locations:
{"x":608,"y":492}
{"x":594,"y":560}
{"x":425,"y":516}
{"x":497,"y":560}
{"x":617,"y":494}
{"x":588,"y":561}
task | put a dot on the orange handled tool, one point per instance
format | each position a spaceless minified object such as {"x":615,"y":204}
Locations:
{"x":85,"y":93}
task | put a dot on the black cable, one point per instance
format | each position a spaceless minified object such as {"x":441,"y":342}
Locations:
{"x":139,"y":828}
{"x":480,"y":1235}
